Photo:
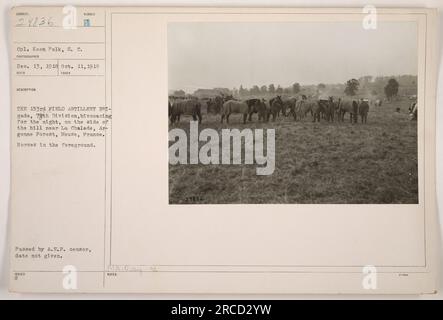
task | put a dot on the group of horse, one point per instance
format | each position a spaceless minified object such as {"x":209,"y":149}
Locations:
{"x":329,"y":109}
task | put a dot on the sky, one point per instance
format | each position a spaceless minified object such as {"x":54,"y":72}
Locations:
{"x":230,"y":54}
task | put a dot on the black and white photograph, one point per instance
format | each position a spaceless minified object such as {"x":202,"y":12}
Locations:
{"x":331,"y":107}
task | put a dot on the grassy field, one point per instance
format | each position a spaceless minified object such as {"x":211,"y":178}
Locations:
{"x":321,"y":162}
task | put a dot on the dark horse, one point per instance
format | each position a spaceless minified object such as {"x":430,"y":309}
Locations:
{"x":253,"y":107}
{"x":276,"y":106}
{"x":331,"y":108}
{"x":319,"y":109}
{"x":363,"y":110}
{"x":263,"y":110}
{"x":289,"y":106}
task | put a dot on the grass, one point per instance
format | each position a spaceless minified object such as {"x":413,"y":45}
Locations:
{"x":322,"y":162}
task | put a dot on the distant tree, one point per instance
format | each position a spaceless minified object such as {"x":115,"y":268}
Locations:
{"x":321,"y":86}
{"x":374,"y":93}
{"x":264,"y":89}
{"x":351,"y":87}
{"x":271,"y":88}
{"x":241,"y":91}
{"x":365,"y":80}
{"x":296,"y":88}
{"x":279,"y":90}
{"x":179,"y":93}
{"x":255,"y":90}
{"x":391,"y":89}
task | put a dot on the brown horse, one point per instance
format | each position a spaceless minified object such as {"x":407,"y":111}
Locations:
{"x":215,"y":104}
{"x":303,"y":107}
{"x":190,"y":107}
{"x":246,"y":108}
{"x":350,"y":106}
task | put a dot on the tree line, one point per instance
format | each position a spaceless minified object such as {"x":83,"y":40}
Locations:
{"x":363,"y":86}
{"x":390,"y":89}
{"x":268,"y":89}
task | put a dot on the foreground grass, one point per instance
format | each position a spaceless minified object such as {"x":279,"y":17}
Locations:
{"x":315,"y":163}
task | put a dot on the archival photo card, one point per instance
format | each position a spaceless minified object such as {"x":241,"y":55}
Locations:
{"x":223,"y":150}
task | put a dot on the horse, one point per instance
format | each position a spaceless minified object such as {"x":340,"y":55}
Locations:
{"x":213,"y":106}
{"x":263,"y":110}
{"x":318,"y":109}
{"x":302,"y":108}
{"x":337,"y":104}
{"x":413,"y":111}
{"x":190,"y":107}
{"x":363,"y":109}
{"x":276,"y":106}
{"x":350,"y":106}
{"x":330,"y":109}
{"x":246,"y":108}
{"x":289,"y":104}
{"x":169,"y":109}
{"x":253,"y":106}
